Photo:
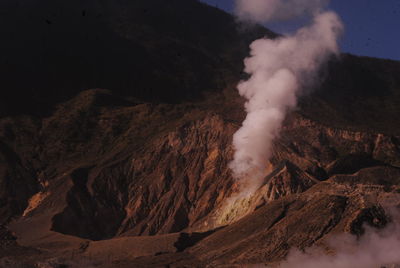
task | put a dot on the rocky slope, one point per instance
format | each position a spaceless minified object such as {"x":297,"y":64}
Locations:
{"x":112,"y":181}
{"x":113,"y":178}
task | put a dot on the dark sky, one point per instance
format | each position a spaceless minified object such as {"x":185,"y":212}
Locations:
{"x":372,"y":26}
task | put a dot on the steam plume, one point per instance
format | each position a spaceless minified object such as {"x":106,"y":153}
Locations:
{"x":279,"y":69}
{"x":277,"y":10}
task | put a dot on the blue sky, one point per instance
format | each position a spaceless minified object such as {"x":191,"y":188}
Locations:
{"x":372,"y":26}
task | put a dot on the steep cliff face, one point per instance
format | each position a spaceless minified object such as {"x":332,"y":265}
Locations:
{"x":313,"y":146}
{"x":177,"y":177}
{"x":174,"y":182}
{"x":159,"y":182}
{"x":165,"y":186}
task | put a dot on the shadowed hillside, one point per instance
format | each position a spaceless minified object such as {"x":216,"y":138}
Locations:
{"x":359,"y":93}
{"x":152,"y":50}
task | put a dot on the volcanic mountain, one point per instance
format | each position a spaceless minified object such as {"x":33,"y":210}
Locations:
{"x":116,"y":132}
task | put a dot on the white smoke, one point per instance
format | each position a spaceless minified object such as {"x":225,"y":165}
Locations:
{"x":278,"y":70}
{"x":374,"y":249}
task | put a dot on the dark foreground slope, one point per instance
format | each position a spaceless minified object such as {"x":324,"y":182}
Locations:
{"x":136,"y":175}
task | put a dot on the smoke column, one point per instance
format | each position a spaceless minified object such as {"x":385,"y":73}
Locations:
{"x":279,"y":70}
{"x":277,"y":10}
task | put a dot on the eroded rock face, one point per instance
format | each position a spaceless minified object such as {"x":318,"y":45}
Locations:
{"x":145,"y":169}
{"x":286,"y":180}
{"x":147,"y":184}
{"x":156,"y":169}
{"x":315,"y":147}
{"x":181,"y":179}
